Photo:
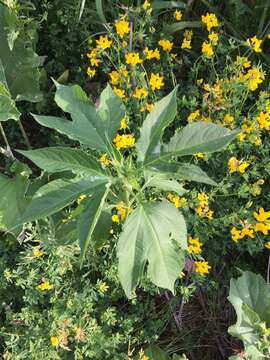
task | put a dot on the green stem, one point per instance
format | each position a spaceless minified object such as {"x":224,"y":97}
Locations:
{"x":5,"y":139}
{"x":26,"y":139}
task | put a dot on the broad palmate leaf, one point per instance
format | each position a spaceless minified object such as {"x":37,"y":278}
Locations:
{"x":91,"y":126}
{"x":153,"y":233}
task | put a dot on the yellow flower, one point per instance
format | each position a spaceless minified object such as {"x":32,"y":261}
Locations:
{"x":92,"y":54}
{"x":45,"y":285}
{"x":165,"y":44}
{"x":263,"y":120}
{"x":124,"y":141}
{"x":207,"y":49}
{"x":115,"y":218}
{"x":178,"y":15}
{"x":149,"y":107}
{"x":243,"y":61}
{"x":177,"y":200}
{"x":140,"y":93}
{"x":233,"y":164}
{"x":115,"y":77}
{"x":186,"y":44}
{"x":193,"y":116}
{"x":210,"y":214}
{"x":156,"y":81}
{"x":103,"y":287}
{"x":188,"y":34}
{"x":120,"y":92}
{"x":54,"y":341}
{"x":236,"y":234}
{"x":122,"y":28}
{"x":145,"y":357}
{"x":38,"y":252}
{"x":267,"y":245}
{"x":255,"y":44}
{"x":122,"y":213}
{"x":123,"y":124}
{"x":210,"y":20}
{"x":262,"y":215}
{"x":213,"y":37}
{"x":146,"y":5}
{"x":194,"y":245}
{"x":81,"y":198}
{"x":152,"y":54}
{"x":200,"y":155}
{"x":254,"y":77}
{"x":91,"y":72}
{"x":133,"y":58}
{"x":95,"y":62}
{"x":263,"y":228}
{"x":104,"y":160}
{"x":242,"y":136}
{"x":203,"y":198}
{"x":202,"y":267}
{"x":228,"y":119}
{"x":104,"y":42}
{"x":243,"y":166}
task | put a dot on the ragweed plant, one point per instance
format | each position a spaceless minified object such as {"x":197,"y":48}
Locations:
{"x":124,"y":177}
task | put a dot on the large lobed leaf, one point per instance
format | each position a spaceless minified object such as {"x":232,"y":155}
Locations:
{"x":91,"y":126}
{"x":153,"y":233}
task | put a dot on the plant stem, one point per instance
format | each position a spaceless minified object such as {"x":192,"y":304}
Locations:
{"x":6,"y":140}
{"x":26,"y":139}
{"x":268,"y":269}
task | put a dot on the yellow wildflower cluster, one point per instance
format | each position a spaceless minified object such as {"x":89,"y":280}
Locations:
{"x":45,"y":285}
{"x":255,"y":44}
{"x":124,"y":141}
{"x":237,"y":234}
{"x":254,"y":77}
{"x":122,"y":28}
{"x":120,"y":92}
{"x":202,"y":267}
{"x":115,"y":77}
{"x":210,"y":20}
{"x":94,"y":60}
{"x":133,"y":58}
{"x":152,"y":54}
{"x":263,"y":221}
{"x":186,"y":44}
{"x":194,"y":245}
{"x":263,"y":120}
{"x":207,"y":49}
{"x":156,"y":81}
{"x":122,"y":212}
{"x":235,"y":165}
{"x":104,"y":42}
{"x":243,"y":61}
{"x":148,"y":107}
{"x":177,"y":200}
{"x":203,"y":210}
{"x":165,"y":44}
{"x":104,"y":160}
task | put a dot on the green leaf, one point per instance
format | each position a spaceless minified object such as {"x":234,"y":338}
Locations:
{"x":161,"y":181}
{"x":181,"y":25}
{"x":21,"y":64}
{"x":199,"y":137}
{"x":8,"y":108}
{"x":155,"y":353}
{"x":154,"y":125}
{"x":159,"y":4}
{"x":152,"y":233}
{"x":58,"y":159}
{"x":58,"y":194}
{"x":100,"y":11}
{"x":111,"y":111}
{"x":250,"y":297}
{"x":89,"y":218}
{"x":90,"y":126}
{"x":183,"y":171}
{"x":102,"y":230}
{"x":12,"y":200}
